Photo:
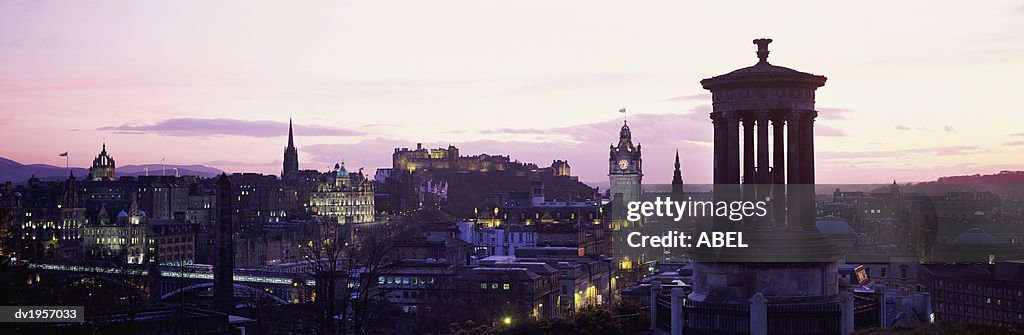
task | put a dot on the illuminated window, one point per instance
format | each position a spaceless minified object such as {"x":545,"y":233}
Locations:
{"x":483,"y":286}
{"x":506,"y":286}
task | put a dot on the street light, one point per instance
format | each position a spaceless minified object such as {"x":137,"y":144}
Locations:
{"x":507,"y":320}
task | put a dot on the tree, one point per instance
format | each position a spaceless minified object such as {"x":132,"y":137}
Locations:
{"x":375,"y":253}
{"x":469,"y":328}
{"x":631,"y":316}
{"x":325,"y":251}
{"x":349,"y":268}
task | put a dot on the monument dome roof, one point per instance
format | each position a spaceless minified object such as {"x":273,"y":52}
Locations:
{"x":974,"y":236}
{"x":764,"y":74}
{"x":834,"y":226}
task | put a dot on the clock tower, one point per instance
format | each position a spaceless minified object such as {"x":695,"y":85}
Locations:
{"x":625,"y":170}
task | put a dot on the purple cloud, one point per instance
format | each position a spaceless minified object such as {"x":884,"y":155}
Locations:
{"x":833,"y":113}
{"x":513,"y":131}
{"x":226,"y":127}
{"x":1014,"y":143}
{"x":821,"y":130}
{"x":370,"y":153}
{"x":698,"y":96}
{"x":946,"y":128}
{"x":693,"y":126}
{"x":959,"y":150}
{"x":937,"y":151}
{"x":701,"y":111}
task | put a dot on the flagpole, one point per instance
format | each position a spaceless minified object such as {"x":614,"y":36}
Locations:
{"x":67,"y":161}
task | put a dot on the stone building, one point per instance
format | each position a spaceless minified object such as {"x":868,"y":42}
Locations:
{"x":976,"y":293}
{"x":407,"y":160}
{"x":505,"y":292}
{"x":575,"y":224}
{"x":625,"y":172}
{"x":561,"y":168}
{"x":49,"y":219}
{"x":347,"y":198}
{"x":102,"y":166}
{"x":121,"y":238}
{"x":173,"y":241}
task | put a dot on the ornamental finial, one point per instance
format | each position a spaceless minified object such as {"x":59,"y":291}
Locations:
{"x":762,"y":49}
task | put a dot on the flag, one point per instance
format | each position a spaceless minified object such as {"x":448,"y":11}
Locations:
{"x":65,"y":154}
{"x":623,"y":111}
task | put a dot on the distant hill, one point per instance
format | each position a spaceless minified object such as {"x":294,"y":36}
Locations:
{"x":156,"y":170}
{"x":1002,"y":183}
{"x":19,"y":173}
{"x":1003,"y":177}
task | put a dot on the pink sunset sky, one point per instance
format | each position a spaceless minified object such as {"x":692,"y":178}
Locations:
{"x":916,"y":89}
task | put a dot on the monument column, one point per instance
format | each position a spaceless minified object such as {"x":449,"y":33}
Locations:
{"x":748,"y":150}
{"x":779,"y":172}
{"x":719,"y":148}
{"x":762,"y":186}
{"x":733,"y":139}
{"x":807,"y":169}
{"x":793,"y":200}
{"x":762,"y":148}
{"x":807,"y":147}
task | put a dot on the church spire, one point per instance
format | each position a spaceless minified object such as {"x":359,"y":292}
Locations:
{"x":677,"y":180}
{"x":291,"y":139}
{"x":677,"y":162}
{"x":291,"y":156}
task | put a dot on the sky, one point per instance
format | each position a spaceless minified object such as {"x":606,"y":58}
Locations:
{"x":916,"y":89}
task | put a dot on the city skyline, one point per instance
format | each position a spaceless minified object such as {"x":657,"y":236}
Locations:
{"x":913,"y":93}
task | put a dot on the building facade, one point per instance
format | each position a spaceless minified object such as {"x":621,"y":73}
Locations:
{"x":976,"y":293}
{"x":625,"y":171}
{"x":119,"y":239}
{"x":348,"y":199}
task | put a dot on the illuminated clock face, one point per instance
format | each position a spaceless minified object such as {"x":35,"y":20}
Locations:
{"x":623,"y":164}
